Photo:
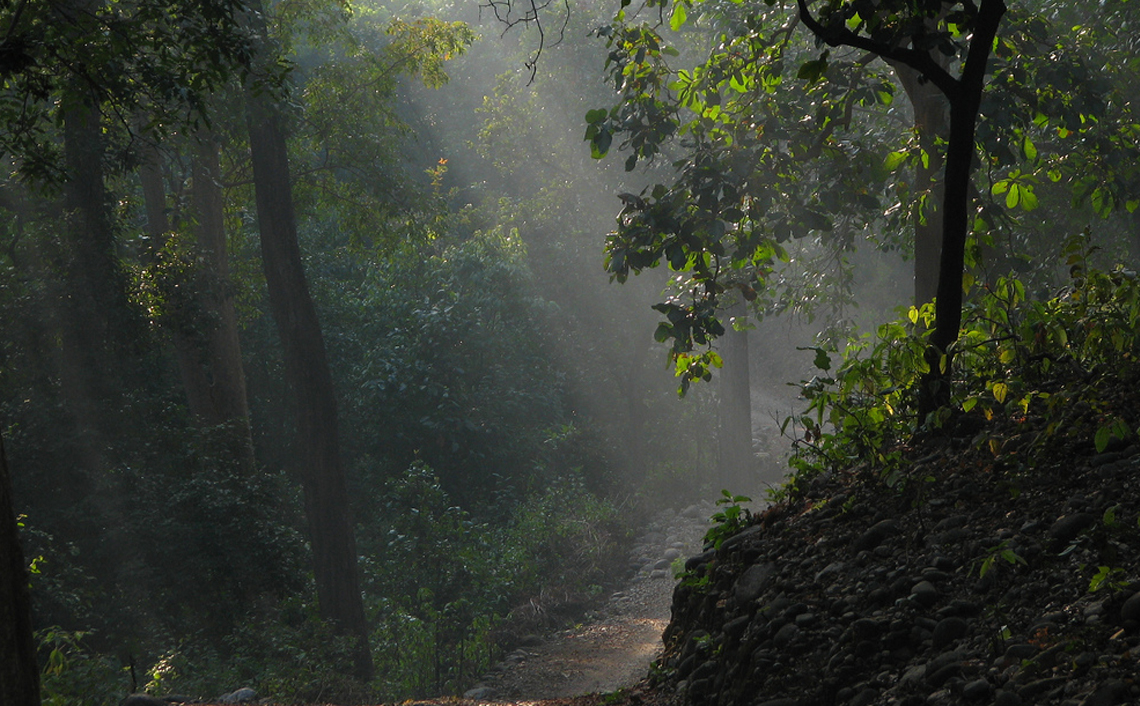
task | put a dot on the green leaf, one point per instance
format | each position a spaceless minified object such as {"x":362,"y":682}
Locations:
{"x":812,"y":71}
{"x":893,"y":160}
{"x":680,"y":15}
{"x":596,"y":115}
{"x":1013,"y":196}
{"x":1103,"y":435}
{"x":1030,"y":149}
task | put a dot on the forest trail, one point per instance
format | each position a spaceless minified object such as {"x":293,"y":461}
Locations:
{"x":614,"y":647}
{"x":609,"y":653}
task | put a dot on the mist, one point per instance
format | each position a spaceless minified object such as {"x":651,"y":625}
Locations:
{"x":349,"y":346}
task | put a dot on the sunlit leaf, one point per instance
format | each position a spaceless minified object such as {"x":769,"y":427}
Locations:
{"x":680,"y":15}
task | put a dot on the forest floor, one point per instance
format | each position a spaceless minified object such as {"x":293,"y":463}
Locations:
{"x":604,"y":659}
{"x":613,"y":647}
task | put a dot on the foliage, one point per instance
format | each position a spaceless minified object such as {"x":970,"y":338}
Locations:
{"x":74,"y":675}
{"x":772,"y":138}
{"x":730,"y":519}
{"x":440,"y":584}
{"x":1014,"y":354}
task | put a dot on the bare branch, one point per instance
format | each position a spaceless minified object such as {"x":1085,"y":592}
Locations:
{"x":505,"y":12}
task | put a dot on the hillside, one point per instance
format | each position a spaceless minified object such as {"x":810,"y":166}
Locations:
{"x":1001,"y":568}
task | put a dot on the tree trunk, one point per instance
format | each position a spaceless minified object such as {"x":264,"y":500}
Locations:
{"x":91,"y":303}
{"x":929,"y":125}
{"x":209,"y":360}
{"x":19,"y":670}
{"x":734,"y":411}
{"x":307,"y":373}
{"x":964,"y":105}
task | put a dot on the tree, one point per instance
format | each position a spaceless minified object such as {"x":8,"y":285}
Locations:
{"x":902,"y":33}
{"x":201,"y":318}
{"x":327,"y":508}
{"x":19,"y":669}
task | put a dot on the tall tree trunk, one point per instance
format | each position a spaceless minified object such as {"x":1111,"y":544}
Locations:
{"x":19,"y":670}
{"x":964,"y":105}
{"x":307,"y":373}
{"x":929,"y":125}
{"x":209,"y":360}
{"x":92,"y":301}
{"x":734,"y":411}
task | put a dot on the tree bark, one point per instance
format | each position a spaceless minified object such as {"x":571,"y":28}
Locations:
{"x":19,"y":670}
{"x":91,"y":301}
{"x":209,"y":360}
{"x":964,"y":105}
{"x":734,"y":411}
{"x":929,"y":124}
{"x":308,"y":375}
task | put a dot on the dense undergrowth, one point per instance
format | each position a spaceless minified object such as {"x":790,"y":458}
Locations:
{"x":479,"y":496}
{"x":1015,"y":353}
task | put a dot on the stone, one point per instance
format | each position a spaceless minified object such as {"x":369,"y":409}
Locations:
{"x":1110,"y":693}
{"x":753,"y":582}
{"x":827,"y":572}
{"x":976,"y":690}
{"x":479,"y":692}
{"x":1067,"y":527}
{"x":924,"y":593}
{"x":142,"y":700}
{"x":785,"y":635}
{"x":694,"y":562}
{"x":242,"y":696}
{"x":1018,"y":652}
{"x":1131,"y":608}
{"x":949,"y":629}
{"x":1006,"y":698}
{"x":875,"y":535}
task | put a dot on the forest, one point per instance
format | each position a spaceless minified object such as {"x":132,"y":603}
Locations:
{"x":322,"y":356}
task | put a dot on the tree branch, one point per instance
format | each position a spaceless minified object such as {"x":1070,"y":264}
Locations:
{"x":920,"y":61}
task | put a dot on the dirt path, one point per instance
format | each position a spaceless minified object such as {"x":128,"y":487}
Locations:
{"x":614,"y":649}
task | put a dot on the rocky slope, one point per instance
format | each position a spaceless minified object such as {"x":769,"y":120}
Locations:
{"x":1003,"y":570}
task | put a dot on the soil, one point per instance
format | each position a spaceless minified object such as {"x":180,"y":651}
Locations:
{"x":613,"y":648}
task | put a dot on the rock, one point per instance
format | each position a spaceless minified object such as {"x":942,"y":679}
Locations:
{"x":949,"y":629}
{"x":479,"y":692}
{"x":142,"y":700}
{"x":875,"y":535}
{"x":1067,"y":527}
{"x":739,"y":538}
{"x":694,"y":562}
{"x":976,"y":690}
{"x":1006,"y":698}
{"x":832,"y":569}
{"x":753,"y":582}
{"x":1131,"y":608}
{"x":1039,"y":688}
{"x":736,"y":626}
{"x":785,"y":635}
{"x":1017,"y":653}
{"x":242,"y":696}
{"x":1110,"y":693}
{"x":924,"y":593}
